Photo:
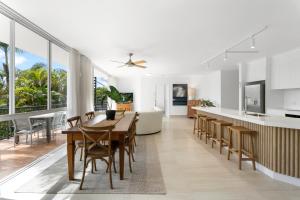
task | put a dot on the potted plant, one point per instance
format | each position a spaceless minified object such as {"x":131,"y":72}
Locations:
{"x":114,"y":95}
{"x":207,"y":103}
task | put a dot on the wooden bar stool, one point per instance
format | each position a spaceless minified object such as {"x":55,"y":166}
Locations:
{"x":218,"y":136}
{"x":241,"y":131}
{"x":206,"y":127}
{"x":197,"y":124}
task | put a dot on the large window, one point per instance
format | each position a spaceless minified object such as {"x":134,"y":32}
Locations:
{"x":31,"y":71}
{"x":4,"y":65}
{"x":60,"y":62}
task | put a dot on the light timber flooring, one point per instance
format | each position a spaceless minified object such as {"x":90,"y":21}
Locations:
{"x":193,"y":171}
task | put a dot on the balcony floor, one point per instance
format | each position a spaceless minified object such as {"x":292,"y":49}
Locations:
{"x":14,"y":158}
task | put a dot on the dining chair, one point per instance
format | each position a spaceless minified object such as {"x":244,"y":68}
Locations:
{"x":90,"y":115}
{"x":94,"y":149}
{"x":73,"y":122}
{"x":57,"y":122}
{"x":25,"y":126}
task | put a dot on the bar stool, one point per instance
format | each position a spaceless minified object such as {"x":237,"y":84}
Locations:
{"x":218,"y":137}
{"x":197,"y":124}
{"x":241,"y":131}
{"x":206,"y":127}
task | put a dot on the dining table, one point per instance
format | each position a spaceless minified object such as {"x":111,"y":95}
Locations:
{"x":47,"y":118}
{"x":121,"y":128}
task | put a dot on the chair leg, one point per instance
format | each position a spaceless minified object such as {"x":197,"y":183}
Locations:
{"x":81,"y":153}
{"x":252,"y":152}
{"x":240,"y":142}
{"x":110,"y":174}
{"x":230,"y":144}
{"x":30,"y":138}
{"x":129,"y":158}
{"x":83,"y":173}
{"x":114,"y":163}
{"x":95,"y":165}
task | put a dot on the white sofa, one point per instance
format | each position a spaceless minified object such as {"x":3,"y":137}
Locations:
{"x":149,"y":122}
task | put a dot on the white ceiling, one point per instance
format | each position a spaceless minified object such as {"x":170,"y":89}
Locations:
{"x":174,"y":36}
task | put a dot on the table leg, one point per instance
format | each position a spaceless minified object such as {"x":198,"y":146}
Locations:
{"x":48,"y":131}
{"x":70,"y":156}
{"x":121,"y":155}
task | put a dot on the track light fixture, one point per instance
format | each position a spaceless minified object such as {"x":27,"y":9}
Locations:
{"x":252,"y":42}
{"x":231,"y":48}
{"x":225,"y":56}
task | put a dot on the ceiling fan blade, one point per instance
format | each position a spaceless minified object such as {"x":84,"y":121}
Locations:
{"x":117,"y":61}
{"x":140,"y":66}
{"x":139,"y":62}
{"x":122,"y":66}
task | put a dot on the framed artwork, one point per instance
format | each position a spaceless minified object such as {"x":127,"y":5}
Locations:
{"x":180,"y":94}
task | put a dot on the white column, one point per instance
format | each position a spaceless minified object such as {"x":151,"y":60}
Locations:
{"x":12,"y":68}
{"x":242,"y":73}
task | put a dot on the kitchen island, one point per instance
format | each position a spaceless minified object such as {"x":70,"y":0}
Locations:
{"x":277,"y":142}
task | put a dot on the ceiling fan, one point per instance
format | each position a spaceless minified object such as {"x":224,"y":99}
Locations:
{"x":131,"y":63}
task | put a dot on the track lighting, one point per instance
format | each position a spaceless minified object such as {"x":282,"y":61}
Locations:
{"x":252,"y":43}
{"x":231,"y":49}
{"x":225,"y":56}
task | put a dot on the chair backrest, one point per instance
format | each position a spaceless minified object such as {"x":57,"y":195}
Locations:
{"x":21,"y":124}
{"x":57,"y":118}
{"x":90,"y":115}
{"x":74,"y":121}
{"x":100,"y":134}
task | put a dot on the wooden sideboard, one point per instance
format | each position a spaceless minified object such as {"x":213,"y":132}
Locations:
{"x":192,"y":103}
{"x":124,"y":106}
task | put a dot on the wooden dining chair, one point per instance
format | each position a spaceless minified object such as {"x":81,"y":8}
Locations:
{"x":73,"y":122}
{"x":94,"y":148}
{"x":90,"y":115}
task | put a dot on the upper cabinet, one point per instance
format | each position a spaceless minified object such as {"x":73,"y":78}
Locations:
{"x":285,"y":70}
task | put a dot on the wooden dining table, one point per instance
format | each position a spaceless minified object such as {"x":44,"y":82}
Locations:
{"x":118,"y":134}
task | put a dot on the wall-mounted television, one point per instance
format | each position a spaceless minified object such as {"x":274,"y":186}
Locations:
{"x":127,"y":97}
{"x":255,"y":97}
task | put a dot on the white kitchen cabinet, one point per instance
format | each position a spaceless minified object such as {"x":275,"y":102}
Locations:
{"x":285,"y":70}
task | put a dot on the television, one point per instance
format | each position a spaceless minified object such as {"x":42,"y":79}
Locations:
{"x":127,"y":97}
{"x":255,"y":97}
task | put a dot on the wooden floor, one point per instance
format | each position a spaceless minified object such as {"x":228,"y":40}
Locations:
{"x":14,"y":158}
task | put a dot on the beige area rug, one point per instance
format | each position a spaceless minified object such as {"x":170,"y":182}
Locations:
{"x":145,"y":179}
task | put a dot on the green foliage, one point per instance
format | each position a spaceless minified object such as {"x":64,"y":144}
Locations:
{"x":114,"y":94}
{"x":207,"y":103}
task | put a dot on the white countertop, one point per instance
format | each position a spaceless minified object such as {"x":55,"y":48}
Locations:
{"x":268,"y":120}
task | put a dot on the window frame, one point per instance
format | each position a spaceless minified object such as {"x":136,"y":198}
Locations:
{"x":14,"y":17}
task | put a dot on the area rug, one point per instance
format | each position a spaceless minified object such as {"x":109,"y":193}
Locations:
{"x":146,"y":177}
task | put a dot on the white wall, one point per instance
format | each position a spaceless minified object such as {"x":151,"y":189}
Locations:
{"x":149,"y":91}
{"x":209,"y":87}
{"x":230,"y":89}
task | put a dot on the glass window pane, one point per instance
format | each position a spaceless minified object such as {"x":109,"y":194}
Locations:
{"x":31,"y":71}
{"x":60,"y":63}
{"x":4,"y":61}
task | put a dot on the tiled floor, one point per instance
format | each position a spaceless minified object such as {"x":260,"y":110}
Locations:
{"x":13,"y":158}
{"x":191,"y":171}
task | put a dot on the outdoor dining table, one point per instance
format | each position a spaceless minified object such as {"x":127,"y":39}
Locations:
{"x":118,"y":134}
{"x":48,"y":120}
